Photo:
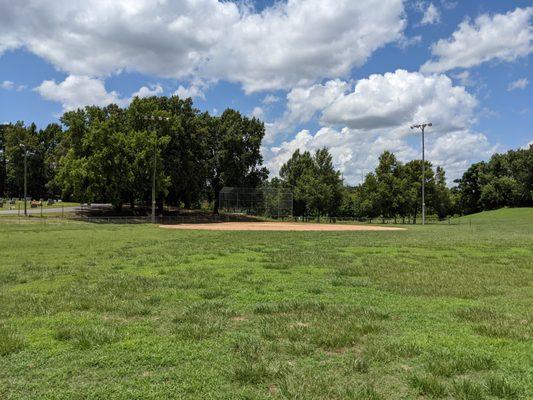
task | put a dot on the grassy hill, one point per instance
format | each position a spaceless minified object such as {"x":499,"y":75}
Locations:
{"x":113,"y":311}
{"x":503,"y":216}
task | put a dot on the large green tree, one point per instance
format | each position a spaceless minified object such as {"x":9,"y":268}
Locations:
{"x":106,"y":161}
{"x":184,"y":157}
{"x":506,"y":180}
{"x":108,"y":154}
{"x":39,"y":145}
{"x":234,"y":152}
{"x":394,"y":190}
{"x":389,"y":194}
{"x":316,"y":185}
{"x":470,"y":187}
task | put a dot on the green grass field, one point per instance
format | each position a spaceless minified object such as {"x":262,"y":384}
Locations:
{"x":136,"y":312}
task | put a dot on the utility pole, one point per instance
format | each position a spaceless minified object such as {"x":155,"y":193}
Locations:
{"x":154,"y":118}
{"x":422,"y":127}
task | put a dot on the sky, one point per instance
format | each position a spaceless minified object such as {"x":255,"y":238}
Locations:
{"x":352,"y":76}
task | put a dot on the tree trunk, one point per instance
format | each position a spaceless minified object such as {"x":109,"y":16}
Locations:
{"x":217,"y":188}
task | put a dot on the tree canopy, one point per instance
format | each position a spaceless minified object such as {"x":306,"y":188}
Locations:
{"x":316,"y":185}
{"x":505,"y":180}
{"x":107,"y":154}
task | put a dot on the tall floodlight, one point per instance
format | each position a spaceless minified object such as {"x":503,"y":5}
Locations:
{"x":154,"y":118}
{"x":422,"y":127}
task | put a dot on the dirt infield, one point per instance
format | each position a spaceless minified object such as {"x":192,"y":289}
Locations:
{"x":278,"y":226}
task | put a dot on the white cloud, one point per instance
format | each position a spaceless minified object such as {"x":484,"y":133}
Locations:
{"x":7,"y":85}
{"x":355,"y":153}
{"x":270,"y":99}
{"x":195,"y":90}
{"x":502,"y":37}
{"x":145,"y":91}
{"x":456,"y":151}
{"x":258,"y":112}
{"x":448,"y":5}
{"x":431,"y":15}
{"x":402,"y":98}
{"x":79,"y":91}
{"x":375,"y":116}
{"x":303,"y":103}
{"x":404,"y":42}
{"x":518,"y":84}
{"x":464,"y":78}
{"x":297,"y":42}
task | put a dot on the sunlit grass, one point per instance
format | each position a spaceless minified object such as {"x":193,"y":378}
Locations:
{"x":114,"y":311}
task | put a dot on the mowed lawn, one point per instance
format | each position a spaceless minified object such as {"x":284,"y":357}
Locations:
{"x":137,"y":312}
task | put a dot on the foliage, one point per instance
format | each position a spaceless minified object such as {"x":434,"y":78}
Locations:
{"x":394,"y":190}
{"x":505,"y":180}
{"x":41,"y":148}
{"x":107,"y":154}
{"x":234,"y":152}
{"x":316,"y":185}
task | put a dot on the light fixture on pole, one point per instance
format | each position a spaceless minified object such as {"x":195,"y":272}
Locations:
{"x":422,"y":127}
{"x":154,"y":118}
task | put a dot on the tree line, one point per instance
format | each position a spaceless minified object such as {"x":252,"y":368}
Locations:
{"x":506,"y":180}
{"x":108,"y":154}
{"x":394,"y":189}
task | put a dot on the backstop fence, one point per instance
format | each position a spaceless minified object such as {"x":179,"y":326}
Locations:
{"x":265,"y":201}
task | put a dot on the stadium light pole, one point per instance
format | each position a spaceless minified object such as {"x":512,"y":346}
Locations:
{"x":154,"y":118}
{"x":422,"y":127}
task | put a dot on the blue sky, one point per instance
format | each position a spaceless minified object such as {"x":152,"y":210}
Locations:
{"x":319,"y":73}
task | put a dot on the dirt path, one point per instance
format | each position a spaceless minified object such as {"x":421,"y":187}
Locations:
{"x":278,"y":226}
